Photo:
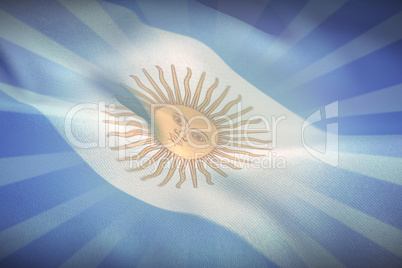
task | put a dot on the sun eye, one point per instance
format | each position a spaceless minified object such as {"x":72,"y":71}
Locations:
{"x":178,"y":120}
{"x":198,"y":137}
{"x":194,"y":145}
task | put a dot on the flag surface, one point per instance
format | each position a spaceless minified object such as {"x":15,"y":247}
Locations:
{"x":323,"y":79}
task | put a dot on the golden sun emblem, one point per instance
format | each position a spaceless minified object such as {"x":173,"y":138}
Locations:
{"x":185,"y":133}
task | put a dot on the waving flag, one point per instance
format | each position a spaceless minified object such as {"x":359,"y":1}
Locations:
{"x":200,"y":133}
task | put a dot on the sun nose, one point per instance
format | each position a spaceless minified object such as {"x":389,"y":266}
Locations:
{"x":180,"y":134}
{"x":180,"y":131}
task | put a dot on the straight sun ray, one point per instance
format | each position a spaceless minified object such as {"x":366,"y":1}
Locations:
{"x":198,"y":91}
{"x":157,"y":89}
{"x":136,"y":92}
{"x":169,"y":132}
{"x":150,"y":92}
{"x":171,"y":171}
{"x":134,"y":144}
{"x":118,"y":39}
{"x":226,"y":108}
{"x":233,"y":116}
{"x":214,"y":167}
{"x":133,"y":102}
{"x":108,"y":238}
{"x":384,"y":34}
{"x":121,"y":114}
{"x":176,"y":86}
{"x":159,"y":170}
{"x":238,"y":124}
{"x":118,"y":107}
{"x":193,"y":173}
{"x":152,"y":160}
{"x":237,"y":132}
{"x":230,"y":157}
{"x":35,"y":165}
{"x":234,"y":144}
{"x":239,"y":152}
{"x":163,"y":81}
{"x":248,"y":139}
{"x":132,"y":133}
{"x":208,"y":96}
{"x":223,"y":162}
{"x":124,"y":123}
{"x":205,"y":172}
{"x":217,"y":102}
{"x":28,"y":38}
{"x":11,"y":238}
{"x":144,"y":152}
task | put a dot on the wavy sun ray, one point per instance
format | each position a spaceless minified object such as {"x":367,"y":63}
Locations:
{"x":185,"y":132}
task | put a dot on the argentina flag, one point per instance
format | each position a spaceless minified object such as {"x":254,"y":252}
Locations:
{"x":201,"y":133}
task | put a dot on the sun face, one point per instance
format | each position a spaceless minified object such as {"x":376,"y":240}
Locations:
{"x":185,"y":131}
{"x":186,"y":134}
